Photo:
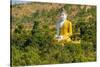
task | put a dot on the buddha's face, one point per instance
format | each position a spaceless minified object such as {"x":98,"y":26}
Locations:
{"x":63,"y":16}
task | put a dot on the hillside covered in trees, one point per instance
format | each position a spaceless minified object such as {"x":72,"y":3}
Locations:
{"x":33,"y":30}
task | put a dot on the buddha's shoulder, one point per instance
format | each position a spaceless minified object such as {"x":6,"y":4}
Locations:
{"x":68,"y":21}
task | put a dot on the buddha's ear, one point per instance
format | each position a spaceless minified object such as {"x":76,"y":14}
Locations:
{"x":65,"y":15}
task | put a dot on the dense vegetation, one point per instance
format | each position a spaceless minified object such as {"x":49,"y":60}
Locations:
{"x":33,"y":30}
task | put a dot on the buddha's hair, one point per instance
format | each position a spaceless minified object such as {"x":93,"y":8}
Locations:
{"x":62,"y":10}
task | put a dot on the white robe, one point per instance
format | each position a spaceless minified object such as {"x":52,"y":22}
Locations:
{"x":60,"y":23}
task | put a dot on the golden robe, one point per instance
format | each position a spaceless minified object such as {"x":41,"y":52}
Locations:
{"x":66,"y":30}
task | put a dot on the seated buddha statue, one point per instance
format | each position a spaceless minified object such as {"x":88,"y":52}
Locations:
{"x":63,"y":28}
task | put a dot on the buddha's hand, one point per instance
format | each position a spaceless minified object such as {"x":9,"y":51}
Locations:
{"x":60,"y":37}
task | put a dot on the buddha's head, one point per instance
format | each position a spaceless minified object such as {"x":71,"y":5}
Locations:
{"x":63,"y":15}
